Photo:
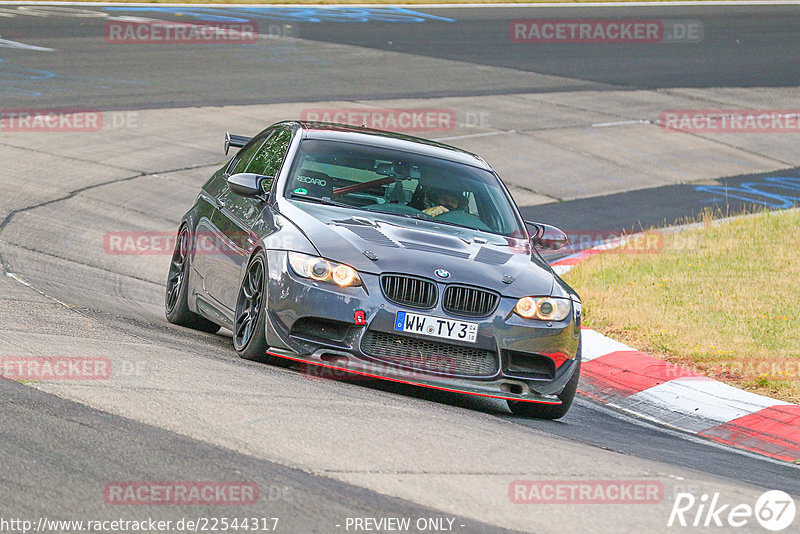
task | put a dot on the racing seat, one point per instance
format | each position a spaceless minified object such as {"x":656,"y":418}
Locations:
{"x":418,"y":198}
{"x":395,"y":194}
{"x":318,"y":184}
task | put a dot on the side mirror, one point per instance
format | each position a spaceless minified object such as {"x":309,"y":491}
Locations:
{"x":248,"y":184}
{"x":548,"y":237}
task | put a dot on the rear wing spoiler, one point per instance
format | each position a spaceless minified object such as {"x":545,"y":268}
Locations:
{"x":236,"y":141}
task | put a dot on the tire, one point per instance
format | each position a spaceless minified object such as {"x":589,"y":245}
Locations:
{"x":549,"y":411}
{"x":176,"y":307}
{"x":250,"y":316}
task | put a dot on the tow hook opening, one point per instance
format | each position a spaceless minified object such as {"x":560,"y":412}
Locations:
{"x":335,"y":359}
{"x":512,"y":387}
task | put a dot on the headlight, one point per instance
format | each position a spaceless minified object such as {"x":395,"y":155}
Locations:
{"x":542,"y":308}
{"x":323,"y":270}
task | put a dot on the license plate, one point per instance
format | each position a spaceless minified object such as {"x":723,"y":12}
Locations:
{"x":435,"y":326}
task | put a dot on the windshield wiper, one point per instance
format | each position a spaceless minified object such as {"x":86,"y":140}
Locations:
{"x":427,"y":218}
{"x":417,"y":216}
{"x":324,"y":200}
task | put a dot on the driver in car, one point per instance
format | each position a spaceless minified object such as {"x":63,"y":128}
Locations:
{"x":442,"y":201}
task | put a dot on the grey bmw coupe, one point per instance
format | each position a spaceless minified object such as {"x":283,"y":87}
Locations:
{"x":381,"y":255}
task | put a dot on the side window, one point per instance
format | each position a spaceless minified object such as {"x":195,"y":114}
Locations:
{"x":268,"y":160}
{"x":245,"y":155}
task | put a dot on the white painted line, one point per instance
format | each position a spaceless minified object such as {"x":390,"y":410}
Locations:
{"x":42,"y":293}
{"x":468,"y":136}
{"x":620,"y":123}
{"x":561,"y":269}
{"x":595,"y":344}
{"x":5,"y":43}
{"x":704,"y":399}
{"x":663,"y":414}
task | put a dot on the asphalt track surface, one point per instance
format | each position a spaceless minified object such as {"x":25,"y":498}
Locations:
{"x":741,"y":47}
{"x":90,"y":445}
{"x":58,"y":454}
{"x":669,"y":205}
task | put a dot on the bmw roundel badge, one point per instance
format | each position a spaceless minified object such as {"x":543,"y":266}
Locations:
{"x":441,"y":273}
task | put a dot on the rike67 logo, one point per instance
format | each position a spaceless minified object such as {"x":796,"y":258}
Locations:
{"x":774,"y":510}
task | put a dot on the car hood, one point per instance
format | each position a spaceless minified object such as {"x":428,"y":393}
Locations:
{"x":420,"y":248}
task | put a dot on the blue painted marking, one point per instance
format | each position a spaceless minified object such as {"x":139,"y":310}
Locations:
{"x":12,"y":72}
{"x":400,"y":321}
{"x":752,"y":192}
{"x":294,"y":14}
{"x":15,"y":79}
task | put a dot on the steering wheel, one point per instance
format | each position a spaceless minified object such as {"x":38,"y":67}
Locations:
{"x":462,"y":218}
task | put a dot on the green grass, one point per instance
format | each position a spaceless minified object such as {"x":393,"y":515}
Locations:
{"x":722,"y":300}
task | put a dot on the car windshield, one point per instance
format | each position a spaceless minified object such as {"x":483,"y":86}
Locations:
{"x":401,"y":183}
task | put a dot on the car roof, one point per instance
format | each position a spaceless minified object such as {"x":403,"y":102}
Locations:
{"x":368,"y":136}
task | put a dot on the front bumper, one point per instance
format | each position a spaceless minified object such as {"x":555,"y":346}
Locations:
{"x":313,"y":322}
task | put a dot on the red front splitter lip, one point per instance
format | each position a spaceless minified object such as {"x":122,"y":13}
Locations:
{"x":431,"y":382}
